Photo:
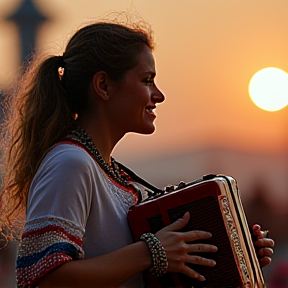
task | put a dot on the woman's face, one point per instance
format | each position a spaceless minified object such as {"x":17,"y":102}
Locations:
{"x":135,"y":97}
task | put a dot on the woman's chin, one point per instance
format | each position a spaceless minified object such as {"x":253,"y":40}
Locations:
{"x":146,"y":130}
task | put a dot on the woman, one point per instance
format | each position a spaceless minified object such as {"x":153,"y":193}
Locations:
{"x":70,"y":112}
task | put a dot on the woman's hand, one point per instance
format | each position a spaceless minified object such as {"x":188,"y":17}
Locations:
{"x":263,"y":245}
{"x":179,"y":249}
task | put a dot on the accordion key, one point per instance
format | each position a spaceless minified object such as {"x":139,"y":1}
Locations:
{"x":214,"y":205}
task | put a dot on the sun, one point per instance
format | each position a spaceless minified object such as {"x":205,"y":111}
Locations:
{"x":268,"y":89}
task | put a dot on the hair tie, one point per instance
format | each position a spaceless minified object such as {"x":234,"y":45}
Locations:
{"x":61,"y":69}
{"x":61,"y":72}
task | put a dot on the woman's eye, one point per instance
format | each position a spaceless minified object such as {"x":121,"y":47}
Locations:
{"x":149,"y":81}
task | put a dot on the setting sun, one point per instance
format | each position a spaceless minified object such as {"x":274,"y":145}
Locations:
{"x":268,"y":89}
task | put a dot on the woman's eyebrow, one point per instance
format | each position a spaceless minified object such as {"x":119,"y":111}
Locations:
{"x":152,"y":73}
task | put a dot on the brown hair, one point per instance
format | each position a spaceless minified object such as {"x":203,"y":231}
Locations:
{"x":42,"y":105}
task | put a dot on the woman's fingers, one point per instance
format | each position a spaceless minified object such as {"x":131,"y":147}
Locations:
{"x":265,"y":261}
{"x":179,"y":255}
{"x":264,"y":242}
{"x":264,"y":248}
{"x":198,"y":261}
{"x":180,"y":266}
{"x":196,"y":235}
{"x":258,"y":233}
{"x":198,"y":248}
{"x":188,"y":236}
{"x":265,"y":252}
{"x":256,"y":228}
{"x":178,"y":224}
{"x":192,"y":273}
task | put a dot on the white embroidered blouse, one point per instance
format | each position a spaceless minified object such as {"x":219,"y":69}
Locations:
{"x":74,"y":211}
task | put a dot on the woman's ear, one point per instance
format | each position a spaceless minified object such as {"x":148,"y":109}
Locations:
{"x":100,"y":84}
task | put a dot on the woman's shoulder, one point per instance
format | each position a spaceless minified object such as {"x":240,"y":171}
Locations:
{"x":62,"y":184}
{"x":67,"y":160}
{"x":68,"y":155}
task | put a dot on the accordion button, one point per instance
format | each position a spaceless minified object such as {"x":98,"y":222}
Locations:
{"x":181,"y":185}
{"x":209,"y":176}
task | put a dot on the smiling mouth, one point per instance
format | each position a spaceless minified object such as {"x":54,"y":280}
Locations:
{"x":150,"y":110}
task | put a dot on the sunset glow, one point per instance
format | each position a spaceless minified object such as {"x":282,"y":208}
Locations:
{"x":268,"y":89}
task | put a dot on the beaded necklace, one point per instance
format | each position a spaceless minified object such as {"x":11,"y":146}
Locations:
{"x":81,"y":136}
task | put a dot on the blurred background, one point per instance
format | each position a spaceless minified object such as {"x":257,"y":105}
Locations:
{"x":206,"y":54}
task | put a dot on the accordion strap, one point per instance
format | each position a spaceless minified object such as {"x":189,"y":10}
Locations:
{"x":156,"y":192}
{"x":140,"y":180}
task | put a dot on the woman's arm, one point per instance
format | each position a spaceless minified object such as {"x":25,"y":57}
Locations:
{"x":110,"y":270}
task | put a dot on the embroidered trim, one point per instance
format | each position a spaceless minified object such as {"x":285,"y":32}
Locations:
{"x":80,"y":135}
{"x":47,"y":242}
{"x":126,"y":198}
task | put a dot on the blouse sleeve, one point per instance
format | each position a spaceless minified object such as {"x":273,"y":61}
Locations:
{"x":57,"y":211}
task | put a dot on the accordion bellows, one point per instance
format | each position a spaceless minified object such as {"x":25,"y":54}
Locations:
{"x":215,"y":206}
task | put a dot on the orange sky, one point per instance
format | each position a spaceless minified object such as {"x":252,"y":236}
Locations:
{"x":207,"y":51}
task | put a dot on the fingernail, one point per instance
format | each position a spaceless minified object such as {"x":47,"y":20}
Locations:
{"x":257,"y":229}
{"x":185,"y":214}
{"x":215,"y":248}
{"x":202,"y":278}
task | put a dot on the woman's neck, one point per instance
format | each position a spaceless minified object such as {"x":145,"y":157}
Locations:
{"x":102,"y":137}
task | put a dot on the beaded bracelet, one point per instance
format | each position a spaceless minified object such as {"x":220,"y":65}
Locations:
{"x":158,"y":254}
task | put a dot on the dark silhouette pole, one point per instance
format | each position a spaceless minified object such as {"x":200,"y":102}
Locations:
{"x":28,"y":19}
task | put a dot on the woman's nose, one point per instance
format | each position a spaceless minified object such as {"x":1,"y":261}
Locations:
{"x":158,"y":96}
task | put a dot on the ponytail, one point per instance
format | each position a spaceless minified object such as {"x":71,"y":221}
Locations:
{"x":40,"y":117}
{"x":50,"y":113}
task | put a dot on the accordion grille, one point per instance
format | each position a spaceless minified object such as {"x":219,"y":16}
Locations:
{"x":208,"y":213}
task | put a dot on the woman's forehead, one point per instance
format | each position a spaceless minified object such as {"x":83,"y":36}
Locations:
{"x":146,"y":61}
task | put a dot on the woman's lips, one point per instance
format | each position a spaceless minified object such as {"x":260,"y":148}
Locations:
{"x":150,"y":110}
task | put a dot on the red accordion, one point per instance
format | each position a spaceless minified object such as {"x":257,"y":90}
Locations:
{"x":215,"y":206}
